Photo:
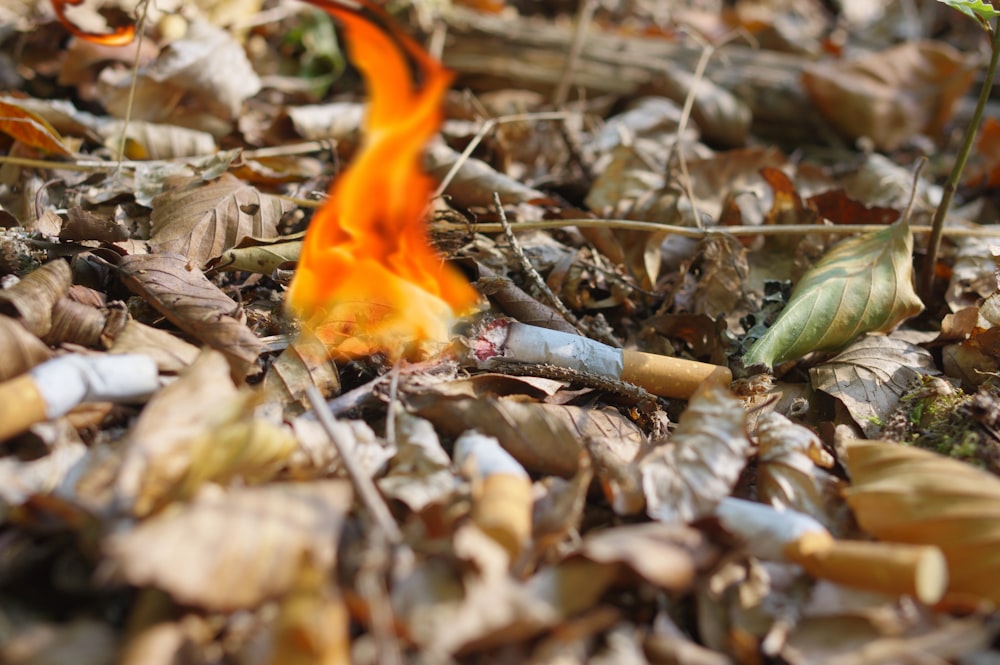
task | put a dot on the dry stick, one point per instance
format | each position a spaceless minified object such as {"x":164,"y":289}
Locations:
{"x":584,"y":16}
{"x":515,"y":247}
{"x":144,"y":5}
{"x":488,"y":126}
{"x":699,"y":73}
{"x":364,"y":486}
{"x":937,"y":225}
{"x":698,"y":234}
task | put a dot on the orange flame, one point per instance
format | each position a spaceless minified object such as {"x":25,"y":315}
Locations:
{"x":367,"y":279}
{"x":121,"y":35}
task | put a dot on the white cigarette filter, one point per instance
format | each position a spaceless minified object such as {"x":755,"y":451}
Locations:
{"x":661,"y":375}
{"x":55,"y":387}
{"x":787,"y":535}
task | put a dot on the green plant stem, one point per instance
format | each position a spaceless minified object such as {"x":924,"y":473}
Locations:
{"x":926,"y":287}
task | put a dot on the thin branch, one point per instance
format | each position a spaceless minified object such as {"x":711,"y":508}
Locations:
{"x":690,"y":232}
{"x":368,"y":493}
{"x":926,"y":287}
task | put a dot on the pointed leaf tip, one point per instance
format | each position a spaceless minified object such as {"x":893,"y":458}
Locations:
{"x":864,"y":284}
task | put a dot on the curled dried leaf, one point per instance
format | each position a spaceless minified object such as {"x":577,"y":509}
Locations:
{"x":31,"y":300}
{"x":790,"y":472}
{"x":19,"y":348}
{"x":684,"y":478}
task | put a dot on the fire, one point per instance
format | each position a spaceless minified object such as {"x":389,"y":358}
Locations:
{"x":121,"y":35}
{"x":367,"y":279}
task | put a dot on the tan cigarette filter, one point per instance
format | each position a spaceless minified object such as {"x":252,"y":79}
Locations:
{"x":21,"y":405}
{"x":502,"y":510}
{"x":670,"y":377}
{"x":913,"y":570}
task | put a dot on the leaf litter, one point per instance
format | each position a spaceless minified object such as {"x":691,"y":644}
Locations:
{"x":524,"y":511}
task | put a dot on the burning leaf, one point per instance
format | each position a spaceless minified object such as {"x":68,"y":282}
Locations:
{"x":367,"y":278}
{"x":864,"y":284}
{"x":119,"y":36}
{"x":30,"y":129}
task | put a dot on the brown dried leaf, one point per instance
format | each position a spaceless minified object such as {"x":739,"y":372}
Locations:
{"x":666,"y":555}
{"x":207,"y":69}
{"x":76,"y":323}
{"x":544,"y":438}
{"x":305,"y":363}
{"x":83,"y":225}
{"x":160,"y":445}
{"x":31,"y":300}
{"x":149,"y":140}
{"x":790,"y":471}
{"x":685,"y":477}
{"x":182,"y":293}
{"x":233,"y":549}
{"x":171,"y":353}
{"x":204,"y":221}
{"x":19,"y":349}
{"x":871,"y":375}
{"x":892,"y":95}
{"x":910,"y":495}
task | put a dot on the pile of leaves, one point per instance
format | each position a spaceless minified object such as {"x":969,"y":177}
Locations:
{"x":260,"y":502}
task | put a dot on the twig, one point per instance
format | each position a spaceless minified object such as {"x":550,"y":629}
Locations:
{"x":364,"y":486}
{"x":515,"y":247}
{"x":584,"y":16}
{"x":699,"y":73}
{"x":488,"y":126}
{"x":690,"y":232}
{"x":926,"y":286}
{"x":139,"y":29}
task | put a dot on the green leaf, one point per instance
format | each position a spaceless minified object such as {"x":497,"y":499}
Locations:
{"x":864,"y":284}
{"x":980,"y":10}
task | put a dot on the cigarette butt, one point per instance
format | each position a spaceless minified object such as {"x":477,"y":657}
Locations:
{"x":670,"y":377}
{"x":913,"y":570}
{"x":21,"y":405}
{"x":502,"y":510}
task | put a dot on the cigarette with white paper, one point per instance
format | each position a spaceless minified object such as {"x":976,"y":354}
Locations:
{"x":665,"y":376}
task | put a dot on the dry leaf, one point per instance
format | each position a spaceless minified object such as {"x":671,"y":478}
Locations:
{"x":666,"y":555}
{"x":909,"y":495}
{"x":544,"y":438}
{"x":31,"y":300}
{"x":699,"y":464}
{"x":305,"y":363}
{"x":182,"y":293}
{"x":892,"y":95}
{"x":871,"y":375}
{"x":171,"y":353}
{"x":233,"y":549}
{"x":790,"y":471}
{"x":19,"y":348}
{"x":205,"y":221}
{"x":159,"y":449}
